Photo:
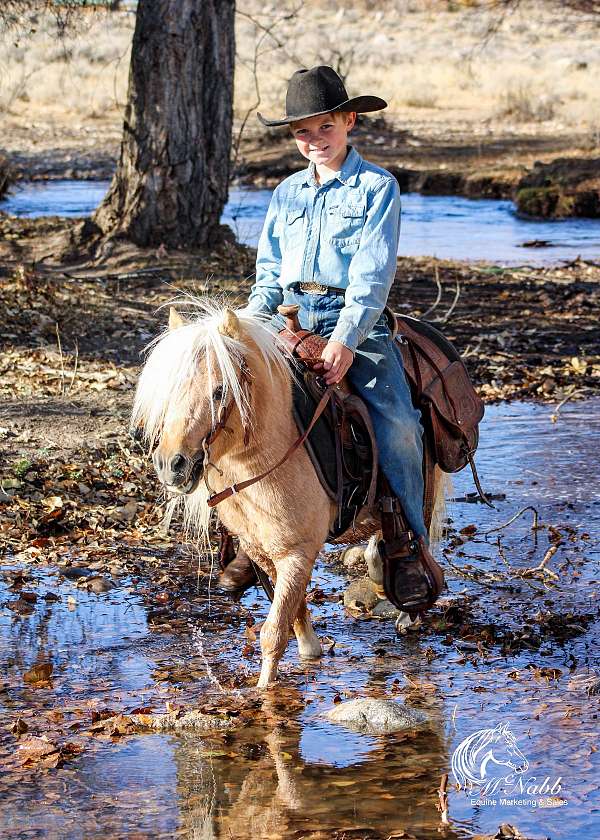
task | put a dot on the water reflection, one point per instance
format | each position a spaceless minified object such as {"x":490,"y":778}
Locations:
{"x":277,"y":793}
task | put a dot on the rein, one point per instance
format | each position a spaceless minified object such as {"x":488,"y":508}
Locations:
{"x":216,"y":498}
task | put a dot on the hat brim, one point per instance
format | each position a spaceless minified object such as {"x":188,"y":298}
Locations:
{"x":360,"y":104}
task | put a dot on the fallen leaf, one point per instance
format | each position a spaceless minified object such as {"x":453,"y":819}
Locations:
{"x":39,"y":673}
{"x":19,"y":727}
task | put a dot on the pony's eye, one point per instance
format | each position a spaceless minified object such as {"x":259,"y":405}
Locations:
{"x":218,"y":393}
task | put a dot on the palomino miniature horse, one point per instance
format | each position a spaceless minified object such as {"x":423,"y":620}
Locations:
{"x":227,"y":362}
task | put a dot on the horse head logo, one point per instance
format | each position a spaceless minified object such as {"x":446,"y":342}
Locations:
{"x":471,"y":758}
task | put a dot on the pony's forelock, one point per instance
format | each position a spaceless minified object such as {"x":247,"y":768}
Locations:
{"x":173,"y":357}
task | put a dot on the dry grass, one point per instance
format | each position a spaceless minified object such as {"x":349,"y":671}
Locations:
{"x":541,"y":65}
{"x":83,"y":75}
{"x":429,"y":62}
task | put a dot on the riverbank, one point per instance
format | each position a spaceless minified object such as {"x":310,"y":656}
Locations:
{"x":547,"y":175}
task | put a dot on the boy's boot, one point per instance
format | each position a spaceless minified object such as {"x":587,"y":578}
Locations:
{"x":237,"y":570}
{"x":412,"y":579}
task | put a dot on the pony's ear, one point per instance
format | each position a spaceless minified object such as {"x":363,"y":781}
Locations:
{"x":230,"y":324}
{"x":175,"y":319}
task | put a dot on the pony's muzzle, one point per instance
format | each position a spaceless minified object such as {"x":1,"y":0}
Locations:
{"x":178,"y":472}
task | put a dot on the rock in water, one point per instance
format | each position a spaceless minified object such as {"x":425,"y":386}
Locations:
{"x":353,"y":557}
{"x":385,"y":609}
{"x":375,"y":717}
{"x":361,"y":595}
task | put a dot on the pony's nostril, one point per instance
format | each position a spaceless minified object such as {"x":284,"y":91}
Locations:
{"x":177,"y":463}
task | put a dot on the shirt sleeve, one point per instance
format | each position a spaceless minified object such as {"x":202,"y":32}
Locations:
{"x":372,"y":268}
{"x":266,"y":294}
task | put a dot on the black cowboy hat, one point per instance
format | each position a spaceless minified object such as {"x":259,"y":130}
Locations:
{"x":320,"y":91}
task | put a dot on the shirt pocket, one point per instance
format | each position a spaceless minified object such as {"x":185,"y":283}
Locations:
{"x":345,"y":224}
{"x":294,"y":227}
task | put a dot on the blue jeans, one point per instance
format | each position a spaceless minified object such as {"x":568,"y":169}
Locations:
{"x":377,"y":375}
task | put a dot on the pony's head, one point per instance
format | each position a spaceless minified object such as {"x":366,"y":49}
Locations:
{"x":196,"y":384}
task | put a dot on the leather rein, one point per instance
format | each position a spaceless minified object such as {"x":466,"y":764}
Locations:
{"x":221,"y":424}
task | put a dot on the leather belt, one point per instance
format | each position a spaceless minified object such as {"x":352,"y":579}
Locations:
{"x":319,"y":289}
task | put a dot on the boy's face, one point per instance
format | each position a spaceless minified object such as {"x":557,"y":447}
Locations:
{"x":323,"y":139}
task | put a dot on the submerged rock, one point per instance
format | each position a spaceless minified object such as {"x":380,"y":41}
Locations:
{"x":385,"y":609}
{"x":178,"y":721}
{"x":353,"y":557}
{"x":376,"y":717}
{"x":361,"y":595}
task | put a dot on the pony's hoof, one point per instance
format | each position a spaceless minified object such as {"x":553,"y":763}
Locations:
{"x":315,"y":652}
{"x":267,"y":677}
{"x":404,"y":623}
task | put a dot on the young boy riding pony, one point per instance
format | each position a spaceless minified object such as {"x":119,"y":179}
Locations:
{"x":329,"y":245}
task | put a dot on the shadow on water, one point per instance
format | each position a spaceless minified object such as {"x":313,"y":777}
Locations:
{"x":499,"y":649}
{"x":447,"y":227}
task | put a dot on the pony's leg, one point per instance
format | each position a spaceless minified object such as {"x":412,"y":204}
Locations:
{"x":293,"y":574}
{"x":309,"y":646}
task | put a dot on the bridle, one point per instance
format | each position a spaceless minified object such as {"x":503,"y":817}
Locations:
{"x":203,"y":456}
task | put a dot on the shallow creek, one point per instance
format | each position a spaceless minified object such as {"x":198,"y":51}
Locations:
{"x":499,"y":649}
{"x":447,"y":227}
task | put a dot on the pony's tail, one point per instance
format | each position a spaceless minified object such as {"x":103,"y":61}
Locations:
{"x":443,"y":489}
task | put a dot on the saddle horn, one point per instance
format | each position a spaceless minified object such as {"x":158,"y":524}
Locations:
{"x":290,"y":313}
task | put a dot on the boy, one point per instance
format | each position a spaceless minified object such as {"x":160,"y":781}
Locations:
{"x":329,"y":244}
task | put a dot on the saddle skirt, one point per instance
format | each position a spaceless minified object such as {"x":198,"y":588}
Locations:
{"x":342,"y":444}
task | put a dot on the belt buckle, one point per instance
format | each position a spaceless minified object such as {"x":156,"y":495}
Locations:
{"x":313,"y":288}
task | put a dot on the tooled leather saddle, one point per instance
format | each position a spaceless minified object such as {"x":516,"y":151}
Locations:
{"x":342,"y":444}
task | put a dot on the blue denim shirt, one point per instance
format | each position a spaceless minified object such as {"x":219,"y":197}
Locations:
{"x":341,"y":233}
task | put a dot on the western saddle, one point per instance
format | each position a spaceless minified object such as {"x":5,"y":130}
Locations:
{"x":336,"y":430}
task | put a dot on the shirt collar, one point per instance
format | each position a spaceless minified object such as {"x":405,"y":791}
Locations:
{"x":347,"y":174}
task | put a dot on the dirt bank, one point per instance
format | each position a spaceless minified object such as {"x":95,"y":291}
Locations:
{"x":547,"y":175}
{"x":562,"y":188}
{"x":433,"y":160}
{"x":476,"y":164}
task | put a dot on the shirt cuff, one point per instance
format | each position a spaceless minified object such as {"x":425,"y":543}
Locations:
{"x":347,"y":334}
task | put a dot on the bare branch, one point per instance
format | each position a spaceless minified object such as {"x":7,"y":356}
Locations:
{"x":252,"y":66}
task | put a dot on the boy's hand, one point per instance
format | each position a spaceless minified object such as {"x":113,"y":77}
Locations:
{"x":337,"y":359}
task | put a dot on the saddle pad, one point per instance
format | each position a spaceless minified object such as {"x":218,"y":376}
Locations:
{"x":320,"y":443}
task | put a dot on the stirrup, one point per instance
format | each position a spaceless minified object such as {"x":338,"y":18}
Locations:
{"x":412,"y":580}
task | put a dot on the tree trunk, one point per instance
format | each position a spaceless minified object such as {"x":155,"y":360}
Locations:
{"x":171,"y":183}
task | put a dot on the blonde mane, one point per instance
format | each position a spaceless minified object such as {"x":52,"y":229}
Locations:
{"x":173,"y":359}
